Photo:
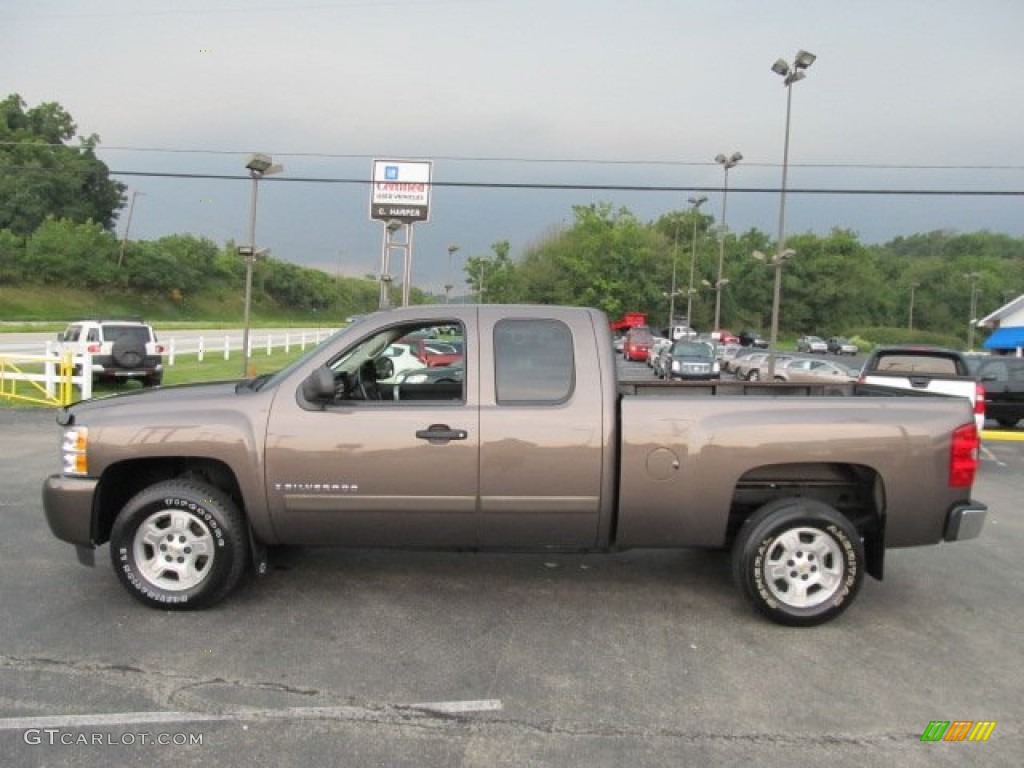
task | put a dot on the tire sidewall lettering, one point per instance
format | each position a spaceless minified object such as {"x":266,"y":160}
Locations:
{"x":752,"y":565}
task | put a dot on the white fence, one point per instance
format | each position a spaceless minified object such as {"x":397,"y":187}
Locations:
{"x":223,"y":345}
{"x":49,"y":377}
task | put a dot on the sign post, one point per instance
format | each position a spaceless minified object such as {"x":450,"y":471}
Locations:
{"x":400,"y":196}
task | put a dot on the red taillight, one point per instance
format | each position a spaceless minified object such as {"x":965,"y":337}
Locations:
{"x":92,"y":349}
{"x":963,"y":456}
{"x":158,"y":349}
{"x":979,"y":399}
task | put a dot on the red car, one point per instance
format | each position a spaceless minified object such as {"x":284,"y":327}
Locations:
{"x":638,"y":343}
{"x":435,"y":352}
{"x":722,"y":336}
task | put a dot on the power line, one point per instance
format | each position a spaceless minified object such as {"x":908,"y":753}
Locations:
{"x":550,"y":160}
{"x":565,"y":187}
{"x":601,"y":187}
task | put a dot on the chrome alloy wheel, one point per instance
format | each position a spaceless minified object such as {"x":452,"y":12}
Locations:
{"x":803,"y":567}
{"x":174,"y":549}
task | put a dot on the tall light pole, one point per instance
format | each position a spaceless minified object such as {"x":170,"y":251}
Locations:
{"x":672,"y":293}
{"x":910,"y":320}
{"x":448,"y":285}
{"x":790,"y":74}
{"x":127,"y":227}
{"x":973,"y":277}
{"x":696,"y":202}
{"x":726,"y":162}
{"x":259,"y":165}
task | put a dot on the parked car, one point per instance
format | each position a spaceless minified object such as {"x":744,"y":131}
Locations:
{"x":742,"y":365}
{"x":758,"y":371}
{"x":658,"y":343}
{"x":401,"y":359}
{"x":677,"y":332}
{"x":691,"y":361}
{"x":120,"y":349}
{"x":544,"y":450}
{"x":1003,"y":380}
{"x":638,"y":343}
{"x":924,"y":368}
{"x":840,"y":345}
{"x":805,"y":369}
{"x":813,"y":344}
{"x":433,"y":352}
{"x":656,"y":356}
{"x":753,"y":339}
{"x":723,"y":336}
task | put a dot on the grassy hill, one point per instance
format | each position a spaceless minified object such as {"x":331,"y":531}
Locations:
{"x":58,"y":304}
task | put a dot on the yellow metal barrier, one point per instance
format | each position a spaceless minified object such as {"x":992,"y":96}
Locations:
{"x":21,"y":379}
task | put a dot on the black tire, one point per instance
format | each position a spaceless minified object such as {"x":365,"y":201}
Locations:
{"x":798,"y":561}
{"x":128,"y":352}
{"x":753,"y":376}
{"x":156,"y":541}
{"x":1007,"y":423}
{"x":153,"y":381}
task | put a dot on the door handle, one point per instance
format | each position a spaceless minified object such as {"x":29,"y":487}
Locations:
{"x":441,"y":433}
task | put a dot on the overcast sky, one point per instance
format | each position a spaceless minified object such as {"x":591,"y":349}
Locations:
{"x":904,"y":95}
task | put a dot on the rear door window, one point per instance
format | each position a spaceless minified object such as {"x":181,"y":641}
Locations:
{"x":533,"y":362}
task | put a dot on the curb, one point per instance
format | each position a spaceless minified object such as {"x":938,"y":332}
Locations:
{"x":989,"y":434}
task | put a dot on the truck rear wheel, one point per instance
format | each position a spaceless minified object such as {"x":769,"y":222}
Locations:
{"x":180,"y":545}
{"x":798,"y":561}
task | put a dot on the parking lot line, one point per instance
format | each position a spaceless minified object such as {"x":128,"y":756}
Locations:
{"x":117,"y":719}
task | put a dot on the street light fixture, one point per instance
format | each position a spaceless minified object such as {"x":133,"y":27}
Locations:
{"x":448,"y":285}
{"x":790,"y":74}
{"x":726,"y":162}
{"x":259,"y":165}
{"x":696,"y":202}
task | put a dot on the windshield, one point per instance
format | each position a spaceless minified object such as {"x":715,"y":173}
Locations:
{"x":691,"y":349}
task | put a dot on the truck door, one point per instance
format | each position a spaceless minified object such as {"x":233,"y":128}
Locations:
{"x":373,"y":469}
{"x":541,"y":432}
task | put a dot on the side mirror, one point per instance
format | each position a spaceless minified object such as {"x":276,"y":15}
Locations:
{"x":319,"y":385}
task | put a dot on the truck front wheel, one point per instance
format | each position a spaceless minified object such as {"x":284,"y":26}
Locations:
{"x":179,"y":545}
{"x":798,"y":561}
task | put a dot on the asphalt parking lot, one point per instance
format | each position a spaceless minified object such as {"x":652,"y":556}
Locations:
{"x":417,"y":659}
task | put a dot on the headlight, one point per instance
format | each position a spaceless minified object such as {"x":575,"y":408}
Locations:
{"x":416,"y":378}
{"x":74,"y":451}
{"x":716,"y":368}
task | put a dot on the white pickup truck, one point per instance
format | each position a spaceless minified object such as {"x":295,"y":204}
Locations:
{"x":926,"y":369}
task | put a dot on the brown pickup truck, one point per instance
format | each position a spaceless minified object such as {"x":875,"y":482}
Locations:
{"x":535,"y":445}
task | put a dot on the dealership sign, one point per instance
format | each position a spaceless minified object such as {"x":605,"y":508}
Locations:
{"x":400,"y":190}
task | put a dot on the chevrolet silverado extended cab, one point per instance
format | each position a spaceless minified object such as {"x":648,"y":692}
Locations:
{"x":537,"y":446}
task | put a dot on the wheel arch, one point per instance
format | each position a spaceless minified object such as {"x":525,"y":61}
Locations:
{"x":121,"y":481}
{"x":857,"y":491}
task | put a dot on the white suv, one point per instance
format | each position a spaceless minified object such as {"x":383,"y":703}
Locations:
{"x":120,"y":349}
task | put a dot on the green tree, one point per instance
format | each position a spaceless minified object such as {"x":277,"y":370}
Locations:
{"x":64,"y":252}
{"x":608,"y":259}
{"x":44,"y":176}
